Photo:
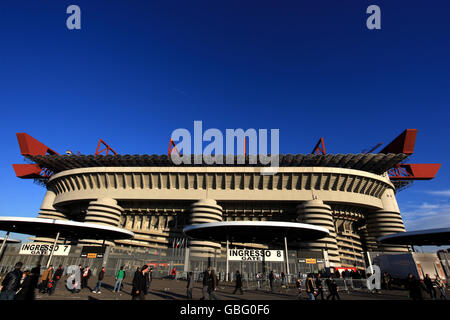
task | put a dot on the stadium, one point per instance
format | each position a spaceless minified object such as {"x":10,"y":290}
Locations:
{"x":351,"y":195}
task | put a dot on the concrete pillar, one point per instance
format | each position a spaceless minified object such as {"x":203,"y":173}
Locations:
{"x":317,"y":213}
{"x":386,"y":221}
{"x":47,"y":210}
{"x":104,"y":211}
{"x":204,"y":211}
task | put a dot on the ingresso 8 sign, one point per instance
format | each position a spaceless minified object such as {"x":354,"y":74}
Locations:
{"x":255,"y":255}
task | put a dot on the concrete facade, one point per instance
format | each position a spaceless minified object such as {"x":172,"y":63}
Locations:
{"x":156,"y":203}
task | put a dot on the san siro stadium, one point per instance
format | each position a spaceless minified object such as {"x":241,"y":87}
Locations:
{"x":352,"y":195}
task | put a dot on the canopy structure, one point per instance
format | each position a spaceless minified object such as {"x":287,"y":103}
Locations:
{"x":428,"y":237}
{"x":61,"y":228}
{"x":66,"y":229}
{"x":255,"y":231}
{"x":9,"y":240}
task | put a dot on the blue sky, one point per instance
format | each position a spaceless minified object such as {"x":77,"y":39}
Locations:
{"x":137,"y":70}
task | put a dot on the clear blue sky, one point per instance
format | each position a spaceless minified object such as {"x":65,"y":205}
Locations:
{"x":137,"y":70}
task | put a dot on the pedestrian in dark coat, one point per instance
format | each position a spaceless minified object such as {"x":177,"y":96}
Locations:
{"x":205,"y":280}
{"x":11,"y":283}
{"x":332,"y":288}
{"x":238,"y":283}
{"x":271,"y":278}
{"x":413,"y":286}
{"x":56,"y":277}
{"x":429,"y":286}
{"x":319,"y":286}
{"x":190,"y":285}
{"x":25,"y":287}
{"x":140,"y":284}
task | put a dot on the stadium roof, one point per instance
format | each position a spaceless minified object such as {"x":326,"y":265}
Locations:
{"x":429,"y":237}
{"x":255,"y":231}
{"x":374,"y":163}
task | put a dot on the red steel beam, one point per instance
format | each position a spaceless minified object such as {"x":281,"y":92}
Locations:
{"x":107,"y":149}
{"x":404,"y":143}
{"x":320,"y":147}
{"x":31,"y":171}
{"x":414,"y":171}
{"x":29,"y":146}
{"x":172,"y":146}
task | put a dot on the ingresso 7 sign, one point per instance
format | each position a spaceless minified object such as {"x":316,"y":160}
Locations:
{"x":255,"y":255}
{"x":36,"y":248}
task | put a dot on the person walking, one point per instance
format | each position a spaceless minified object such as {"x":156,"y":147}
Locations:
{"x":173,"y":273}
{"x":238,"y":283}
{"x":271,"y":278}
{"x":11,"y":283}
{"x":206,"y":276}
{"x":413,"y":286}
{"x":283,"y":280}
{"x":35,"y":275}
{"x":387,"y":281}
{"x":310,"y":287}
{"x":98,"y":286}
{"x":332,"y":288}
{"x":319,"y":286}
{"x":190,"y":285}
{"x":147,"y":279}
{"x":136,"y":273}
{"x":259,"y":278}
{"x":120,"y":275}
{"x":298,"y":284}
{"x":440,"y":284}
{"x":46,"y":280}
{"x":429,"y":286}
{"x":25,"y":286}
{"x":150,"y":276}
{"x":56,"y":277}
{"x":212,"y":285}
{"x":85,"y":277}
{"x":139,"y":289}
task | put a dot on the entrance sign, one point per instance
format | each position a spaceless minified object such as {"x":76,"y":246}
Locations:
{"x":92,"y":252}
{"x":255,"y":255}
{"x":36,"y":248}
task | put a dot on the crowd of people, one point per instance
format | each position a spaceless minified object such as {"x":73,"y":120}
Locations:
{"x":415,"y":287}
{"x":209,"y":284}
{"x":22,"y":285}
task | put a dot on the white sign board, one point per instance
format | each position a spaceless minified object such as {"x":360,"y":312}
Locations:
{"x":255,"y":255}
{"x":36,"y":248}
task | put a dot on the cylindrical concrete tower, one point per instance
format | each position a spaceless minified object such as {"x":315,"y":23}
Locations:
{"x":317,"y":213}
{"x":47,"y":210}
{"x":204,"y":211}
{"x":104,"y":211}
{"x":386,"y":221}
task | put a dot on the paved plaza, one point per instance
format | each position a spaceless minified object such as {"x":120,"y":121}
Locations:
{"x":165,"y":289}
